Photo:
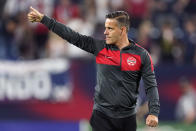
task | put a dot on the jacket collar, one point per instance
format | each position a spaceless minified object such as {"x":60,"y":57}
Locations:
{"x":132,"y":44}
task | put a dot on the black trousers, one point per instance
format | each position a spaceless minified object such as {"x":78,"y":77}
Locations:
{"x":101,"y":122}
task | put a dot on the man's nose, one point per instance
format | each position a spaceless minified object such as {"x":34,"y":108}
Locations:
{"x":105,"y":32}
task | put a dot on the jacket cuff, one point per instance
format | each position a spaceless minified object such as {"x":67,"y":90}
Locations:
{"x":45,"y":20}
{"x":155,"y":114}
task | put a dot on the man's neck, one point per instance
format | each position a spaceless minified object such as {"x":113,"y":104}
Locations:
{"x":123,"y":43}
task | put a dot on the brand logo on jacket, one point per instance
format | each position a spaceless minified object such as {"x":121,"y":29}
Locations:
{"x":131,"y":61}
{"x":109,"y":57}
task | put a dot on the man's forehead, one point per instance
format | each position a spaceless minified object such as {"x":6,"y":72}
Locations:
{"x":110,"y":21}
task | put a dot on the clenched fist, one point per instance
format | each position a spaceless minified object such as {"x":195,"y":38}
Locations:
{"x":152,"y":121}
{"x":34,"y":15}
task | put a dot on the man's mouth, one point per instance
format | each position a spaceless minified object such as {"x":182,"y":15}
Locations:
{"x":107,"y":38}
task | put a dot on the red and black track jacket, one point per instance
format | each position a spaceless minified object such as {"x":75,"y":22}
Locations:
{"x":118,"y":72}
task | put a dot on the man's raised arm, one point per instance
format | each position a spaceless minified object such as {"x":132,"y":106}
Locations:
{"x":86,"y":43}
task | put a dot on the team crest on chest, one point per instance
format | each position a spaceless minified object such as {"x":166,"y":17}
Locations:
{"x":131,"y":61}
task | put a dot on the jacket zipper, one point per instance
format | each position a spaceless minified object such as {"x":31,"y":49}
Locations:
{"x":120,"y":59}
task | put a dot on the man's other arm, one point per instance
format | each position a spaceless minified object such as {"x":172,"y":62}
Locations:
{"x":151,"y":90}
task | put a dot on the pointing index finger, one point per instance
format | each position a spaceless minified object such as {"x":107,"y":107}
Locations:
{"x":32,"y":9}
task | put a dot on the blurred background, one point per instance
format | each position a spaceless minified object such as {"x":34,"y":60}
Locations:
{"x":48,"y":84}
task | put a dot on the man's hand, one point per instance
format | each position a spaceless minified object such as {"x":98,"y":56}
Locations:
{"x":34,"y":15}
{"x":152,"y":120}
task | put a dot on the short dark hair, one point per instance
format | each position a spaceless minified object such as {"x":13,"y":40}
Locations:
{"x":121,"y":16}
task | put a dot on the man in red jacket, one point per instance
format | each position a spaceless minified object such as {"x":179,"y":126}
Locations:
{"x":120,"y":65}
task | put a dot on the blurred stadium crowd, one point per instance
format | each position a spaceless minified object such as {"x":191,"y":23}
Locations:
{"x":166,"y":28}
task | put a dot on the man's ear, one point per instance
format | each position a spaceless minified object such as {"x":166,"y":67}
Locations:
{"x":123,"y":29}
